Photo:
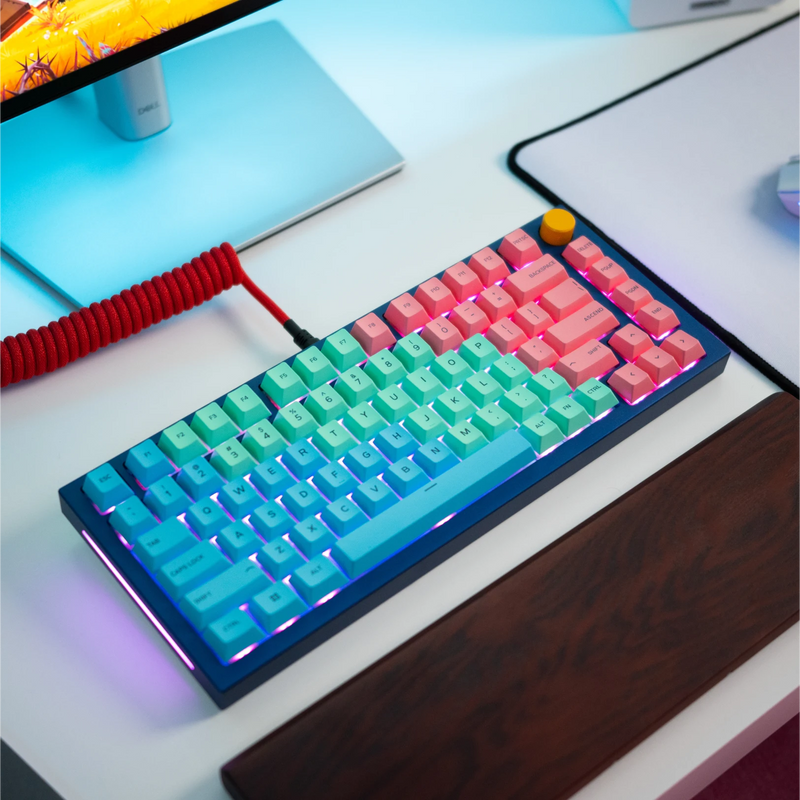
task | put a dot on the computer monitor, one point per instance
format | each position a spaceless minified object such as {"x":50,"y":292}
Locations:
{"x":173,"y":148}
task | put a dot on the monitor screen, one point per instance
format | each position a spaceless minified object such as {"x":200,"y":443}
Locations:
{"x":53,"y":47}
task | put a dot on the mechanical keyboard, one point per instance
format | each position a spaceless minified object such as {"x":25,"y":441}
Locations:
{"x":261,"y":524}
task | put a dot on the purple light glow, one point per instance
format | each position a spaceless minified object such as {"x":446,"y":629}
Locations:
{"x":327,"y":597}
{"x":103,"y":513}
{"x":442,"y":522}
{"x":139,"y":602}
{"x":604,"y":414}
{"x":286,"y":625}
{"x":664,"y":335}
{"x":243,"y":653}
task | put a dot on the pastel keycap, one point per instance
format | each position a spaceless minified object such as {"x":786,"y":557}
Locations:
{"x":469,"y":319}
{"x":453,"y":406}
{"x":541,"y":432}
{"x":413,"y":352}
{"x":207,"y":518}
{"x":163,"y":543}
{"x":231,"y":459}
{"x":435,"y":297}
{"x":271,"y":520}
{"x":482,"y":389}
{"x":591,"y":360}
{"x":282,"y":385}
{"x":442,"y":335}
{"x":509,"y":372}
{"x":332,"y":440}
{"x":630,"y":296}
{"x":191,"y":569}
{"x":342,"y":350}
{"x":451,"y":369}
{"x":244,"y":407}
{"x":213,"y":425}
{"x":239,"y":498}
{"x":520,"y":403}
{"x":569,"y":415}
{"x":238,"y":541}
{"x":478,"y":352}
{"x":393,"y":404}
{"x":271,"y":478}
{"x":318,"y":578}
{"x":405,"y":314}
{"x":548,"y":386}
{"x":425,"y":424}
{"x":492,"y":421}
{"x":506,"y":336}
{"x":464,"y":439}
{"x":343,"y":516}
{"x":105,"y":488}
{"x":232,"y":634}
{"x":595,"y":397}
{"x":435,"y":458}
{"x":422,"y":386}
{"x":462,"y":282}
{"x":685,"y":349}
{"x":131,"y":518}
{"x":395,"y":442}
{"x":372,"y":333}
{"x":532,"y":281}
{"x":180,"y":443}
{"x":658,"y":364}
{"x":165,"y":498}
{"x":325,"y":403}
{"x":606,"y":274}
{"x":355,"y":386}
{"x":565,"y":299}
{"x":263,"y":441}
{"x":311,"y":537}
{"x":334,"y":481}
{"x":581,"y":253}
{"x":279,"y":558}
{"x":532,"y":319}
{"x":536,"y":355}
{"x":374,"y":496}
{"x":313,"y":367}
{"x":363,"y":421}
{"x":303,"y":500}
{"x":488,"y":266}
{"x":631,"y":383}
{"x":590,"y":322}
{"x":496,"y":303}
{"x":630,"y":342}
{"x":385,"y":368}
{"x":147,"y":463}
{"x":295,"y":422}
{"x":519,"y":249}
{"x":657,"y":319}
{"x":276,"y":606}
{"x":405,"y":477}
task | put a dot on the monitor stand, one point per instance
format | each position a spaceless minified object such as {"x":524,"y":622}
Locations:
{"x":260,"y":138}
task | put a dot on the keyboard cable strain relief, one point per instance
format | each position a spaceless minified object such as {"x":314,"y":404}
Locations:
{"x":300,"y":336}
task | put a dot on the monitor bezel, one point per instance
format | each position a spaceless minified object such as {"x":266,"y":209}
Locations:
{"x":90,"y":73}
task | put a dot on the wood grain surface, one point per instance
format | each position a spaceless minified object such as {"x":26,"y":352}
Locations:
{"x":538,"y":683}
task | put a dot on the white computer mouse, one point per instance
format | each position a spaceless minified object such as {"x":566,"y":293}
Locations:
{"x":789,"y":185}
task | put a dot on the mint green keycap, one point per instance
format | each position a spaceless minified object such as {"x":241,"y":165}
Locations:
{"x":364,"y":422}
{"x":541,"y":432}
{"x":244,"y":407}
{"x":482,"y":389}
{"x":452,"y":406}
{"x":451,"y":369}
{"x":393,"y":404}
{"x":294,"y":422}
{"x":509,"y":372}
{"x":478,"y":352}
{"x":283,"y":384}
{"x":332,"y":440}
{"x":422,"y":386}
{"x":595,"y":397}
{"x":464,"y":439}
{"x":548,"y":386}
{"x":355,"y":386}
{"x":180,"y":443}
{"x":263,"y":441}
{"x":424,"y":424}
{"x":521,"y":403}
{"x":231,"y":459}
{"x":568,"y":414}
{"x":213,"y":425}
{"x":384,"y":368}
{"x":343,"y":350}
{"x":313,"y":368}
{"x":413,"y":351}
{"x":492,"y":422}
{"x":325,"y":403}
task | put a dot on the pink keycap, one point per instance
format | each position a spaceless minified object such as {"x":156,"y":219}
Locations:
{"x":405,"y":314}
{"x":630,"y":342}
{"x":657,"y":319}
{"x":531,"y":282}
{"x":591,"y":360}
{"x":590,"y":322}
{"x":536,"y":355}
{"x":373,"y":334}
{"x":581,"y":253}
{"x":506,"y":336}
{"x":441,"y":335}
{"x":462,"y":282}
{"x":631,"y":296}
{"x":496,"y":303}
{"x":435,"y":297}
{"x":606,"y":274}
{"x":488,"y":266}
{"x":469,"y":319}
{"x":631,"y":383}
{"x":683,"y":348}
{"x":658,"y":364}
{"x":565,"y":299}
{"x":519,"y":249}
{"x":532,"y":319}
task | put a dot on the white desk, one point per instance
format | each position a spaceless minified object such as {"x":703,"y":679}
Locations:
{"x":92,"y":696}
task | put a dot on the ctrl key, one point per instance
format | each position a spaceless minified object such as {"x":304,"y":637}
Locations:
{"x":232,"y":633}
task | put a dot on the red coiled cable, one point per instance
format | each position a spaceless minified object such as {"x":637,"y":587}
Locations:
{"x":38,"y":351}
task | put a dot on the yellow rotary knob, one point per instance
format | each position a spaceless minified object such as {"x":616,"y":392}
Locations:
{"x":557,"y":227}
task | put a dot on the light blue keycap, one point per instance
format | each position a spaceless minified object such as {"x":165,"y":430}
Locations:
{"x":374,"y":496}
{"x":163,"y":543}
{"x":404,"y":476}
{"x":447,"y":494}
{"x":131,"y":519}
{"x":311,"y":537}
{"x":232,"y":633}
{"x":271,"y":521}
{"x":435,"y":458}
{"x":206,"y":518}
{"x":238,"y":541}
{"x":271,"y":479}
{"x":334,"y":481}
{"x":364,"y":461}
{"x":279,"y":558}
{"x":302,"y":459}
{"x":396,"y":442}
{"x":199,"y":479}
{"x":343,"y":516}
{"x":191,"y":569}
{"x":147,"y":463}
{"x":303,"y":500}
{"x":276,"y":606}
{"x":166,"y":499}
{"x":231,"y":588}
{"x":105,"y":488}
{"x":239,"y":498}
{"x":317,"y":578}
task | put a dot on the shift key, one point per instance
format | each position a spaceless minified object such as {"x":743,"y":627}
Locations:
{"x":590,"y":322}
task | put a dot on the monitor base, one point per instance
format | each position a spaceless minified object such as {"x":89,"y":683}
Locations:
{"x":261,"y":138}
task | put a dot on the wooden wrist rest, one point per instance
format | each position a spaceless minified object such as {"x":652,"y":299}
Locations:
{"x":541,"y":681}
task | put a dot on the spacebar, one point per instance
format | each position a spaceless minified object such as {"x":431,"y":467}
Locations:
{"x":405,"y":521}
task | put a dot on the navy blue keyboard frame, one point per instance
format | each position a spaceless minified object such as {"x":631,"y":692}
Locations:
{"x":227,"y":683}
